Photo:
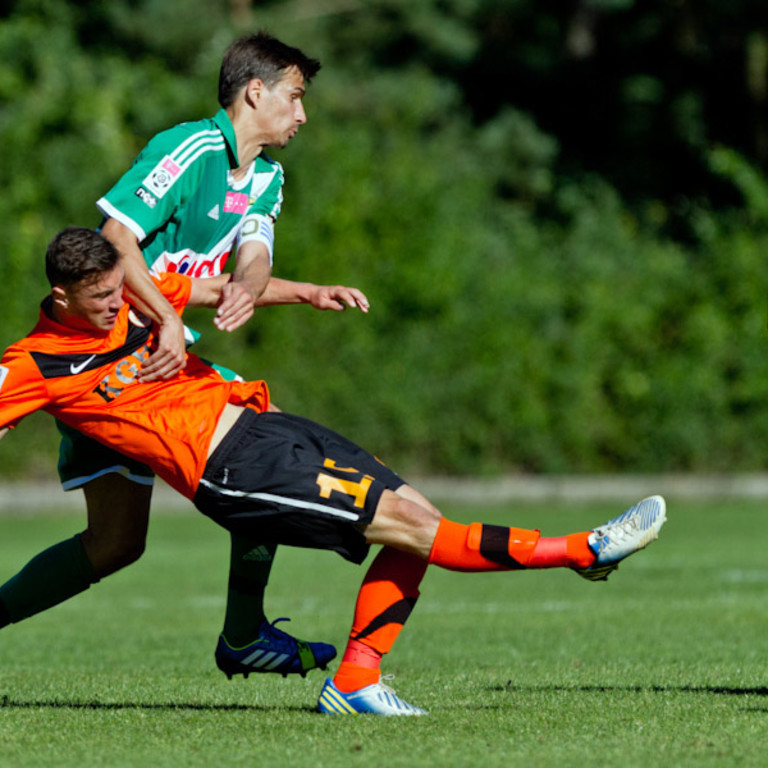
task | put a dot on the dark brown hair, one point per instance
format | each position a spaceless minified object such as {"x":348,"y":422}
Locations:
{"x":78,"y":254}
{"x":259,"y":56}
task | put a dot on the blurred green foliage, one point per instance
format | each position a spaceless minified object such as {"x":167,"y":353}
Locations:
{"x":559,"y":214}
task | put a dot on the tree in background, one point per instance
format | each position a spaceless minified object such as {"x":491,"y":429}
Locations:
{"x":558,"y":210}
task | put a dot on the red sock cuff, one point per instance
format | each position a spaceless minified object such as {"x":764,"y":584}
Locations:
{"x":570,"y":551}
{"x":361,"y":655}
{"x":550,"y":553}
{"x":352,"y":677}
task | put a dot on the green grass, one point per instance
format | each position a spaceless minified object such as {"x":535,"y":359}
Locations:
{"x":663,"y":665}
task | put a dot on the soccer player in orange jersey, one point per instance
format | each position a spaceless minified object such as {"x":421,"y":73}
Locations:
{"x":258,"y":471}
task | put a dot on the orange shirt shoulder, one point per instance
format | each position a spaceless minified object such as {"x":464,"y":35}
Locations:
{"x":90,"y":381}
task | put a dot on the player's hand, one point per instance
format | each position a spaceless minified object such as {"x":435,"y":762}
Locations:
{"x":235,"y":307}
{"x":171,"y":354}
{"x":338,"y":298}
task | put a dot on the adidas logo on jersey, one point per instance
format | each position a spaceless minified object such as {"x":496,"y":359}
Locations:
{"x":214,"y":212}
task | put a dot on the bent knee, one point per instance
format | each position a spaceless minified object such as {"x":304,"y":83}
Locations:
{"x":125,"y":553}
{"x":109,"y":554}
{"x":403,"y":524}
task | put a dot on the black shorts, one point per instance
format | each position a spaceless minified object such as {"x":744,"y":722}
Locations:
{"x":288,"y":480}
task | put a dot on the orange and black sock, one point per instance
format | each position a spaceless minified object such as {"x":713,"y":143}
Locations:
{"x":387,"y":596}
{"x":478,"y":547}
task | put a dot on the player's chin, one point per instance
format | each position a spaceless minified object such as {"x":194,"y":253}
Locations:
{"x":282,"y":141}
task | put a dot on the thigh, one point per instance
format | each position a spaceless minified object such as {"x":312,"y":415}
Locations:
{"x":118,"y":518}
{"x":290,"y":481}
{"x":118,"y":508}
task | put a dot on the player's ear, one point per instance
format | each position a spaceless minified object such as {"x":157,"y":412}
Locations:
{"x":59,"y":296}
{"x":253,"y":90}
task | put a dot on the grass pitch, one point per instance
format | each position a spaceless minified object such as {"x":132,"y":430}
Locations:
{"x":665,"y":664}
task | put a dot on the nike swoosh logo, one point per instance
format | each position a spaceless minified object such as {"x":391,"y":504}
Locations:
{"x":78,"y":368}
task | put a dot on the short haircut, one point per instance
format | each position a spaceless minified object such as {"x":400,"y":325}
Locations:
{"x":79,"y":255}
{"x":259,"y":56}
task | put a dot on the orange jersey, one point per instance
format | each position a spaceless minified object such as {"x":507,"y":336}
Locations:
{"x":89,"y":381}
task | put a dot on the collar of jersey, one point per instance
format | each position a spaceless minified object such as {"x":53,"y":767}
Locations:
{"x":224,"y":124}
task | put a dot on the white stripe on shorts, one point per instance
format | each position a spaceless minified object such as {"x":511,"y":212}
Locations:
{"x":282,"y":500}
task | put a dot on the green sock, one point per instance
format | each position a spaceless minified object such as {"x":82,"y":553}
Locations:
{"x":55,"y":575}
{"x":249,"y":566}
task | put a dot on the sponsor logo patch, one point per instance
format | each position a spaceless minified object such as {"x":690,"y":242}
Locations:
{"x":125,"y":373}
{"x":235,"y":202}
{"x":146,"y":197}
{"x":162,"y":177}
{"x":3,"y":374}
{"x":214,"y":212}
{"x":195,"y":266}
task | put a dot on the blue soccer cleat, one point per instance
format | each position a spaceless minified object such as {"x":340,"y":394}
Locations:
{"x":377,"y":699}
{"x":273,"y":651}
{"x":623,"y":536}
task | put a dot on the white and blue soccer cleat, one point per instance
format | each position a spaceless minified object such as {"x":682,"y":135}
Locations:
{"x":623,"y":536}
{"x":376,"y":699}
{"x":273,"y":651}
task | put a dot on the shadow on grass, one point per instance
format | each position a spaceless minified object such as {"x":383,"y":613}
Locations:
{"x":717,"y":689}
{"x":8,"y":703}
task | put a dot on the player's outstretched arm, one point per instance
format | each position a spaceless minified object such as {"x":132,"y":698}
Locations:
{"x":333,"y":297}
{"x":3,"y":432}
{"x":170,"y":356}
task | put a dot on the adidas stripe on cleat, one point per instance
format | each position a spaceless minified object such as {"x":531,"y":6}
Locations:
{"x":273,"y":651}
{"x":624,"y":535}
{"x":377,"y":699}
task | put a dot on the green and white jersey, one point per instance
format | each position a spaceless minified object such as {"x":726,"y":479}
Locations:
{"x":181,"y":202}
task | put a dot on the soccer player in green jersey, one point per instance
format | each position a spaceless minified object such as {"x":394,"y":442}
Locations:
{"x":198,"y":192}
